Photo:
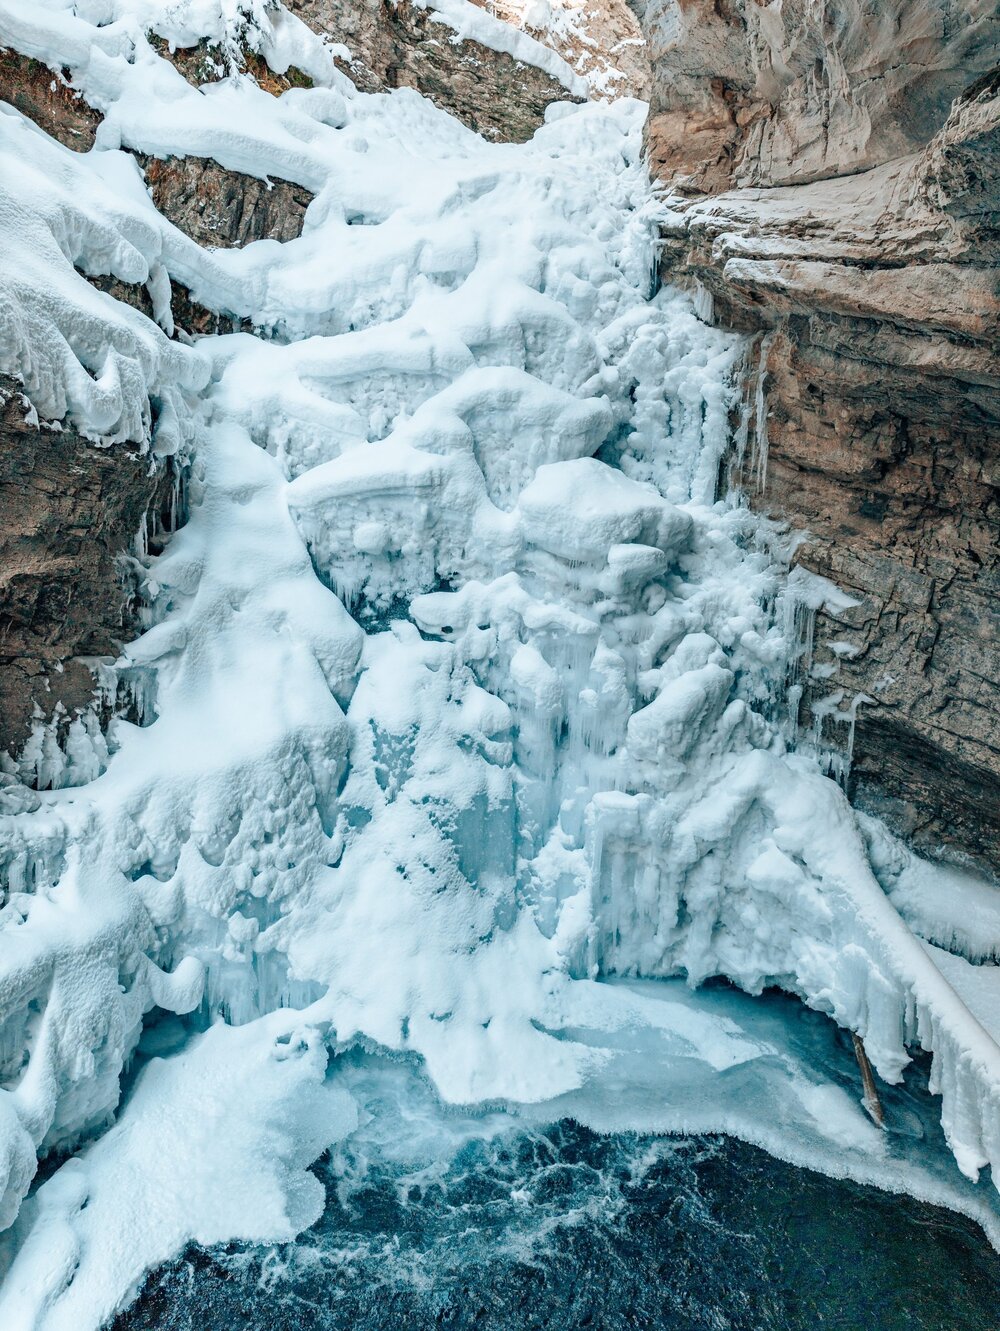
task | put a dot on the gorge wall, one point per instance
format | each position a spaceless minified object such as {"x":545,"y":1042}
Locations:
{"x":834,"y":176}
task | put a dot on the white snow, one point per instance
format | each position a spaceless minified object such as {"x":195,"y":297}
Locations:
{"x":471,"y":21}
{"x":946,"y":904}
{"x":187,"y":1163}
{"x":451,"y":716}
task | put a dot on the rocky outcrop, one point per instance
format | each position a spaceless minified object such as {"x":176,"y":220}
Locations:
{"x":69,"y":514}
{"x":599,"y":39}
{"x":748,"y":94}
{"x":217,"y":207}
{"x":47,"y":97}
{"x":402,"y":45}
{"x":873,"y":382}
{"x":210,"y":203}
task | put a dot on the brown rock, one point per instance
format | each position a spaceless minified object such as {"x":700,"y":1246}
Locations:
{"x":47,"y":97}
{"x":68,"y":510}
{"x":216,"y":207}
{"x":397,"y":45}
{"x":878,"y":318}
{"x":895,"y":475}
{"x":189,"y":317}
{"x":207,"y":64}
{"x":747,"y":93}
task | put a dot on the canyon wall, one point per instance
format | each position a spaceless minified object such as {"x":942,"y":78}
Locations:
{"x":834,"y":178}
{"x":403,"y":45}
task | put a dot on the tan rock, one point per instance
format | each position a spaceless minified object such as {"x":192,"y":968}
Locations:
{"x":599,"y":39}
{"x":396,"y":45}
{"x":876,"y":308}
{"x":809,"y":89}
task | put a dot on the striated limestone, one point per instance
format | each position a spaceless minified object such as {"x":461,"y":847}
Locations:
{"x":749,"y":94}
{"x":874,"y":396}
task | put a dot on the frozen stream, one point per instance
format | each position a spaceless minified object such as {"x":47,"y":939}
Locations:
{"x":466,"y":698}
{"x":511,"y":1223}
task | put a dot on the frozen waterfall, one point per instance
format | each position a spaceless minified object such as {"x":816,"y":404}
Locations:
{"x":467,"y":692}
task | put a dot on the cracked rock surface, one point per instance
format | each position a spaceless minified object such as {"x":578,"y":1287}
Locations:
{"x":403,"y":46}
{"x":845,"y":211}
{"x":68,"y":513}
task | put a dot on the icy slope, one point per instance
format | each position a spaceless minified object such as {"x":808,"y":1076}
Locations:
{"x":466,"y":692}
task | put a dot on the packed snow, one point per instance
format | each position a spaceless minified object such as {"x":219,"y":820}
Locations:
{"x":467,"y":692}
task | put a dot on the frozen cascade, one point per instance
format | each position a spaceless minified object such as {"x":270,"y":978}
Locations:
{"x":468,"y":692}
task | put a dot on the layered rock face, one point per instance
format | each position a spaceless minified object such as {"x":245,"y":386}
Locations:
{"x":750,"y":94}
{"x":406,"y":46}
{"x":600,"y":39}
{"x":218,"y":207}
{"x":873,"y":387}
{"x":69,"y":513}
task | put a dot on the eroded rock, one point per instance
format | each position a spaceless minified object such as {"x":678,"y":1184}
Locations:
{"x":217,"y":207}
{"x":599,"y":39}
{"x":750,"y":94}
{"x":875,"y":377}
{"x":68,"y":512}
{"x":400,"y":45}
{"x":47,"y":97}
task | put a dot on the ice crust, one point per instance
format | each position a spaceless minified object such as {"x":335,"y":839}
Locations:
{"x":467,"y":692}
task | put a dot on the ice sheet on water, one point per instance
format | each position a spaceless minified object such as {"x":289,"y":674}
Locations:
{"x":556,"y":748}
{"x":215,"y":1138}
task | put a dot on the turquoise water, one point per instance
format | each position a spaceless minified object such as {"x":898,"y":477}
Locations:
{"x":560,"y":1228}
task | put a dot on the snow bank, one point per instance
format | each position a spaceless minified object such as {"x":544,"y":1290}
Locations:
{"x":82,"y":356}
{"x":214,"y":1147}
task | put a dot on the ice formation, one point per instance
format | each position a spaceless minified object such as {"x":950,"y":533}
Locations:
{"x":468,"y":692}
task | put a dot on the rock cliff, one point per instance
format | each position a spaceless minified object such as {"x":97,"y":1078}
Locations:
{"x":70,"y":515}
{"x":835,"y":191}
{"x":750,"y":94}
{"x":404,"y":45}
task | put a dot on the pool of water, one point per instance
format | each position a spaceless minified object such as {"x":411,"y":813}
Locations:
{"x":561,"y":1228}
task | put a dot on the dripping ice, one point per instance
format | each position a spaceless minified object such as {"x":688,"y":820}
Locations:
{"x":465,"y":694}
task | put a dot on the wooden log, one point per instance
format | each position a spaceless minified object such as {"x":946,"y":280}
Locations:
{"x":870,"y":1098}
